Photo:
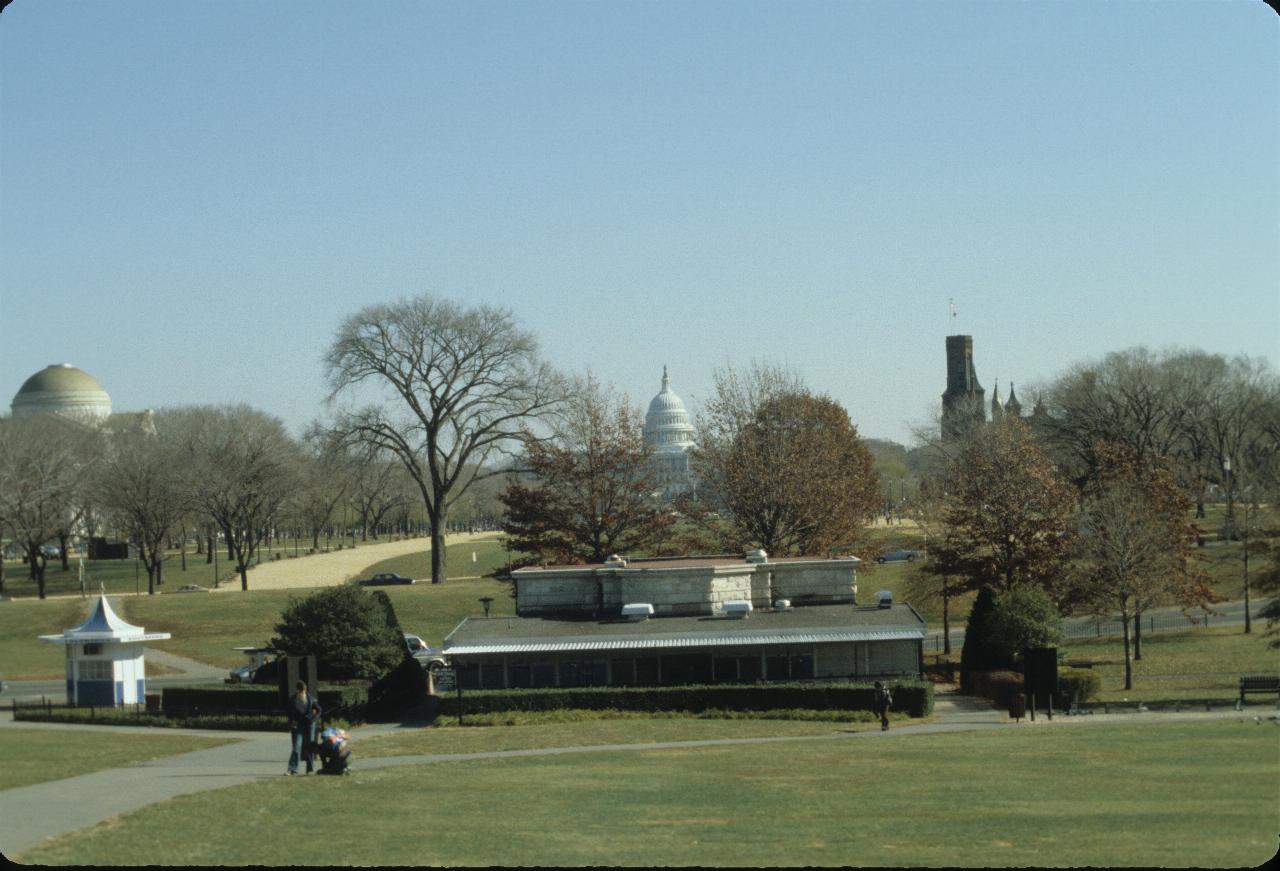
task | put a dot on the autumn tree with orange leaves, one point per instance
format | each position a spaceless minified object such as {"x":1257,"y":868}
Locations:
{"x":797,"y":479}
{"x":590,"y":488}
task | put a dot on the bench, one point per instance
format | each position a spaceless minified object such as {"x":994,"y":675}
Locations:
{"x":1258,"y":683}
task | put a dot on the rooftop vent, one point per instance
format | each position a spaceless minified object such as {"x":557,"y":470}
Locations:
{"x":756,"y":556}
{"x":737,"y":608}
{"x":637,"y":611}
{"x":613,"y":561}
{"x":782,"y":605}
{"x":885,"y":598}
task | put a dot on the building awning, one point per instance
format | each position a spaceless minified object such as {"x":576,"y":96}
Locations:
{"x":551,"y":645}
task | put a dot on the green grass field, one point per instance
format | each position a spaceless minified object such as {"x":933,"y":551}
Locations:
{"x":37,"y":755}
{"x":1169,"y":794}
{"x":1178,"y":664}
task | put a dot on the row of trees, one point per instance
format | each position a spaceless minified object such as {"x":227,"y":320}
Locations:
{"x":1004,"y":518}
{"x":228,"y":473}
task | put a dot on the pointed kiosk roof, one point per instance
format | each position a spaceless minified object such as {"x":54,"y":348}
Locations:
{"x":104,"y":625}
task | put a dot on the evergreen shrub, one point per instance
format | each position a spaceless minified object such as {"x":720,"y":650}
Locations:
{"x":1082,"y":684}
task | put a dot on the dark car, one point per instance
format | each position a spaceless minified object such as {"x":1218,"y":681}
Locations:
{"x":384,"y":578}
{"x":898,"y":556}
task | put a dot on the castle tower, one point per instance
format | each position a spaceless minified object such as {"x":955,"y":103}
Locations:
{"x":962,"y":403}
{"x":1013,"y":406}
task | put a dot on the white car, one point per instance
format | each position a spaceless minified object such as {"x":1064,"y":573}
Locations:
{"x":431,"y":657}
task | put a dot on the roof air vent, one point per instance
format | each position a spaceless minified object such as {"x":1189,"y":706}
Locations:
{"x":737,"y":608}
{"x":885,"y":598}
{"x":756,"y":556}
{"x":637,"y":611}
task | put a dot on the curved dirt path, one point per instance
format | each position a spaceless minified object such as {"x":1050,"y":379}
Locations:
{"x":336,"y":567}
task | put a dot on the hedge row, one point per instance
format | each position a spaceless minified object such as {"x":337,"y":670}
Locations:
{"x":911,"y":696}
{"x":223,"y":699}
{"x":1001,"y":686}
{"x":125,"y":717}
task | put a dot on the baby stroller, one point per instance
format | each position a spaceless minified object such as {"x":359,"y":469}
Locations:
{"x":335,"y":755}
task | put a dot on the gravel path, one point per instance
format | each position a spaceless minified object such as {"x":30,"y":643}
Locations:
{"x":335,"y":567}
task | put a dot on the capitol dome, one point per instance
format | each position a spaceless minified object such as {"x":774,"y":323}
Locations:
{"x":669,"y":433}
{"x":64,"y":390}
{"x":666,"y":425}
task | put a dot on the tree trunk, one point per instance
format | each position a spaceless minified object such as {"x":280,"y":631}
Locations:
{"x":946,"y":617}
{"x":439,"y":560}
{"x":209,"y":551}
{"x":1248,"y":625}
{"x":1137,"y":635}
{"x":1128,"y":662}
{"x":62,"y":549}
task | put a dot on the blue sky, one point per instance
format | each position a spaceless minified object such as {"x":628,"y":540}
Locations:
{"x":193,"y":195}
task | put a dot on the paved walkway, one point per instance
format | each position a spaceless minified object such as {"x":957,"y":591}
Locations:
{"x":30,"y":814}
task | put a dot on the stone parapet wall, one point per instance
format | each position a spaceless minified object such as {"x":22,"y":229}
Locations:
{"x":825,"y":582}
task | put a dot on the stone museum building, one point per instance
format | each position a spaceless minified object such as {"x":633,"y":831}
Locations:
{"x":687,"y":620}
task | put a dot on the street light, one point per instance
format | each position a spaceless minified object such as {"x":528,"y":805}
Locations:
{"x":1230,"y":526}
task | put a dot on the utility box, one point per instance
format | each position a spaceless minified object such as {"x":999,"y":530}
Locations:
{"x":294,"y":669}
{"x":1040,"y":674}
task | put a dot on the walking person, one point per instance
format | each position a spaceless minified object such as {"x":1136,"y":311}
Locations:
{"x":884,"y":701}
{"x":303,"y":712}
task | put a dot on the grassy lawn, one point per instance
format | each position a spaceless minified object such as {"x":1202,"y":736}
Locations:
{"x":641,"y":730}
{"x":1172,"y":794}
{"x":37,"y":755}
{"x":1183,"y":664}
{"x":467,"y":559}
{"x":22,"y":654}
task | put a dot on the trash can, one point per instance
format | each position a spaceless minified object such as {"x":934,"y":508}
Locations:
{"x":153,"y":703}
{"x":1018,"y":706}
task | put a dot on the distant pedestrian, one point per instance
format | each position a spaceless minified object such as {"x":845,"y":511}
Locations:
{"x":883,"y":702}
{"x":303,"y":713}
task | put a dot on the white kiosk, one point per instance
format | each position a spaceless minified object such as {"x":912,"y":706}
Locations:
{"x":104,"y":659}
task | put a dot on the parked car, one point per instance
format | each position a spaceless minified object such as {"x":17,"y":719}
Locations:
{"x":190,"y":588}
{"x":897,"y":556}
{"x":384,"y":578}
{"x":431,"y":657}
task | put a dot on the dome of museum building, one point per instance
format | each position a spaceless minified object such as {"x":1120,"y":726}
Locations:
{"x":666,"y":425}
{"x":64,"y":390}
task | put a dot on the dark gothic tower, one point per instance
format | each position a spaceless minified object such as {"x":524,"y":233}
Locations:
{"x":962,"y":403}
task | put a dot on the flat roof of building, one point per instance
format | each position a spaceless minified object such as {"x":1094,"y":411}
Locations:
{"x":797,"y":625}
{"x":688,"y":562}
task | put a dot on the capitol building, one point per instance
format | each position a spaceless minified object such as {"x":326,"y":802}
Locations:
{"x":669,"y":433}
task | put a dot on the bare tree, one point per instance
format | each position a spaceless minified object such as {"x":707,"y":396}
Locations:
{"x":242,"y":466}
{"x":467,"y":382}
{"x":140,"y":486}
{"x":1135,"y":542}
{"x":45,"y":468}
{"x":326,"y":475}
{"x":379,"y":487}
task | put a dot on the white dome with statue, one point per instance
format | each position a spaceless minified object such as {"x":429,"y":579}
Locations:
{"x":669,"y":433}
{"x":666,"y":425}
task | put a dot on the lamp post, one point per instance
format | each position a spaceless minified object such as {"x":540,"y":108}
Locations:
{"x":1230,"y":525}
